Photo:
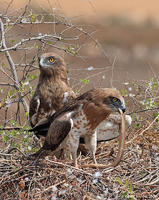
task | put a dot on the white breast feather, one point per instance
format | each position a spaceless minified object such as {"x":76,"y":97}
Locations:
{"x":109,"y":128}
{"x":38,"y":103}
{"x":65,"y":99}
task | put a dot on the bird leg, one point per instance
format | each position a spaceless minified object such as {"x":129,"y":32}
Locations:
{"x":121,"y":147}
{"x":70,"y":148}
{"x":91,"y":144}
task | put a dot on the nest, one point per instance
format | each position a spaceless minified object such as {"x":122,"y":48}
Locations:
{"x":136,"y":176}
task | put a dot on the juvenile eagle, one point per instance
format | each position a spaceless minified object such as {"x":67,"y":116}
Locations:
{"x":52,"y":90}
{"x":79,"y":118}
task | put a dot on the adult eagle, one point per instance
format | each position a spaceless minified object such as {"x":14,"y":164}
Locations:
{"x":79,"y":118}
{"x":52,"y":90}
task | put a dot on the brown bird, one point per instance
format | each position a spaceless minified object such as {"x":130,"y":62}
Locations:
{"x":79,"y":118}
{"x":52,"y":91}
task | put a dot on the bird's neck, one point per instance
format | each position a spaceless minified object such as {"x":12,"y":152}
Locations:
{"x":52,"y":75}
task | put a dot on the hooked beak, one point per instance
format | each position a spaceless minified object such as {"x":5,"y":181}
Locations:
{"x":122,"y":107}
{"x":40,"y":60}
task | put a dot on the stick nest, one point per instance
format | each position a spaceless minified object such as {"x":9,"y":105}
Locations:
{"x":136,"y":176}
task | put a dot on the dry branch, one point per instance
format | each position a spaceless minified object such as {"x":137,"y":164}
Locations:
{"x":12,"y":65}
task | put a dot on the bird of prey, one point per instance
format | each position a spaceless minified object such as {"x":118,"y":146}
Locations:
{"x":52,"y":90}
{"x":79,"y":118}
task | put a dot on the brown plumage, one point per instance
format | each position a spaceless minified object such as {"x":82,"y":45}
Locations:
{"x":79,"y":118}
{"x":52,"y":91}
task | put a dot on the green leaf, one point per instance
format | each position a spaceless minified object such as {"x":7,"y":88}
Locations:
{"x":77,"y":91}
{"x":155,"y":115}
{"x":70,"y":49}
{"x":33,"y":17}
{"x":5,"y":138}
{"x":9,"y":26}
{"x":3,"y":65}
{"x":127,"y":183}
{"x":9,"y":93}
{"x":13,"y":122}
{"x":1,"y":90}
{"x":33,"y":77}
{"x":123,"y":92}
{"x":125,"y":194}
{"x":138,"y":125}
{"x":85,"y":81}
{"x":131,"y":189}
{"x":27,"y":114}
{"x":13,"y":41}
{"x":118,"y":180}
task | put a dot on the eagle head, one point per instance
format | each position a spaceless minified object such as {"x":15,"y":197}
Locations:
{"x":113,"y":100}
{"x":50,"y":61}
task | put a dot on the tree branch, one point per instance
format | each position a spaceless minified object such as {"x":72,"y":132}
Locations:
{"x":12,"y":65}
{"x":29,"y":39}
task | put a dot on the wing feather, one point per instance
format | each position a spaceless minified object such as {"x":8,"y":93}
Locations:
{"x":33,"y":110}
{"x":58,"y":131}
{"x":43,"y":126}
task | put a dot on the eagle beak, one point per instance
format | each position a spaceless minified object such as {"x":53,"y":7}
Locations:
{"x":40,"y":60}
{"x":122,"y":108}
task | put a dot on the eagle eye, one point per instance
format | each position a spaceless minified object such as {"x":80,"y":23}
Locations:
{"x":51,"y":60}
{"x":115,"y":99}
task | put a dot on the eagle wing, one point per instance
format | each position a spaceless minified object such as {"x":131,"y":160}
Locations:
{"x":58,"y":131}
{"x":33,"y":109}
{"x":42,"y":127}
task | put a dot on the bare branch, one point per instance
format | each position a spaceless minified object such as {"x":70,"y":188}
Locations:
{"x":7,"y":84}
{"x":12,"y":65}
{"x":40,"y":37}
{"x":144,"y":110}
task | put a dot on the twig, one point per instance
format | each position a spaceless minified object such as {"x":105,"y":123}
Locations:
{"x":7,"y":84}
{"x":15,"y":148}
{"x":148,"y":127}
{"x":50,"y":187}
{"x":10,"y":128}
{"x":69,"y":166}
{"x":144,"y":110}
{"x":27,"y":40}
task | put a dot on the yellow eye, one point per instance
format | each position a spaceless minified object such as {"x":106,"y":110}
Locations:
{"x":51,"y":60}
{"x":115,"y":99}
